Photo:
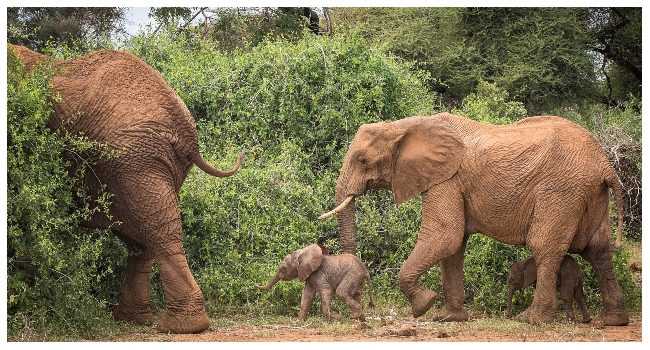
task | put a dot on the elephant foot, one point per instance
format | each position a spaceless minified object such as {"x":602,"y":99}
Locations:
{"x":448,"y":314}
{"x":535,"y":316}
{"x":619,"y":318}
{"x":358,"y":315}
{"x":184,"y":323}
{"x":422,"y":301}
{"x":140,"y":316}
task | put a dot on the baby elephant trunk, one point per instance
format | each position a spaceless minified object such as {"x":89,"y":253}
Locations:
{"x":270,"y":284}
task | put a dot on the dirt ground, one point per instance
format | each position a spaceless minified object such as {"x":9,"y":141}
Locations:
{"x":406,"y":329}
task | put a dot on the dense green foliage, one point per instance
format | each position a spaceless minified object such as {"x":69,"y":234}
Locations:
{"x":544,"y":57}
{"x":56,"y":271}
{"x":315,"y":92}
{"x":84,"y":27}
{"x":293,"y":105}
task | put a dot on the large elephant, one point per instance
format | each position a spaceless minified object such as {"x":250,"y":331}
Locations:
{"x":542,"y":181}
{"x":115,"y":98}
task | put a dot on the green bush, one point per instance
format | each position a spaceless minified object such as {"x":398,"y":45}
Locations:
{"x":489,"y":105}
{"x":60,"y":277}
{"x":315,"y":92}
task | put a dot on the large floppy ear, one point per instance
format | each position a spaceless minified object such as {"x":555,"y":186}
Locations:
{"x":429,"y":153}
{"x":309,"y":259}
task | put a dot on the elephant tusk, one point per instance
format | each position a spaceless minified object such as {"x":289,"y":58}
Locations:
{"x":337,"y":209}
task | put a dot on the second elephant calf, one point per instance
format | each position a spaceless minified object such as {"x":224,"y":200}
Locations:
{"x":328,"y":275}
{"x":523,"y":273}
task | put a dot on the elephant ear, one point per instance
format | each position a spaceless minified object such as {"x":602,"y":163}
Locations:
{"x":429,"y":153}
{"x":309,"y":260}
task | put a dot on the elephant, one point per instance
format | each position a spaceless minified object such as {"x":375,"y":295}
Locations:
{"x":542,"y":182}
{"x":343,"y":275}
{"x":523,"y":273}
{"x":113,"y":97}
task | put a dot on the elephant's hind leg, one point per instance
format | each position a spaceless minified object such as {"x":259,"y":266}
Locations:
{"x":599,"y":254}
{"x":185,"y":309}
{"x":134,"y":302}
{"x":549,"y":237}
{"x":567,"y":298}
{"x":350,"y":293}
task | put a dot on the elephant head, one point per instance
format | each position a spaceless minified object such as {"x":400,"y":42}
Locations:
{"x":408,"y":155}
{"x":298,"y":264}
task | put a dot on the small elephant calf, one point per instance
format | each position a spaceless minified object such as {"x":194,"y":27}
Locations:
{"x":327,"y":275}
{"x":523,"y":273}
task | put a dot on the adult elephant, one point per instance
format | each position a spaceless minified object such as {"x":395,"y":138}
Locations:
{"x":542,"y":181}
{"x":113,"y":97}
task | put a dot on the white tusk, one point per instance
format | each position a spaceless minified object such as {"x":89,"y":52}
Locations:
{"x":337,"y":209}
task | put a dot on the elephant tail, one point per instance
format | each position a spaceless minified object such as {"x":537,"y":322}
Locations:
{"x":614,"y":183}
{"x":205,"y":166}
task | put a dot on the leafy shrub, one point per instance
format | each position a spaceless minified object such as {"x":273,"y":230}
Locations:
{"x":315,"y":92}
{"x":488,"y":105}
{"x":60,"y":277}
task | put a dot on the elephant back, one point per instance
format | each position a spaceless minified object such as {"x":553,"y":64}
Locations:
{"x":111,"y":90}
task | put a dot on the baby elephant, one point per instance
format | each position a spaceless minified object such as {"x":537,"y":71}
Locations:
{"x":569,"y":283}
{"x":343,"y":275}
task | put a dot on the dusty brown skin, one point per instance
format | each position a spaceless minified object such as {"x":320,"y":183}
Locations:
{"x":523,"y":273}
{"x":342,"y":275}
{"x":118,"y":99}
{"x":543,"y":182}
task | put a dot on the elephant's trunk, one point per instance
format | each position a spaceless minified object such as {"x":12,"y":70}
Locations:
{"x":345,"y":219}
{"x":270,"y":284}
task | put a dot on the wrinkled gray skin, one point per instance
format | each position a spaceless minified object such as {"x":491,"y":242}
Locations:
{"x":328,"y":275}
{"x":523,"y":273}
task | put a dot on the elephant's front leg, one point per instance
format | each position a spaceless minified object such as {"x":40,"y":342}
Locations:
{"x":308,"y":294}
{"x":441,"y":236}
{"x":451,"y":269}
